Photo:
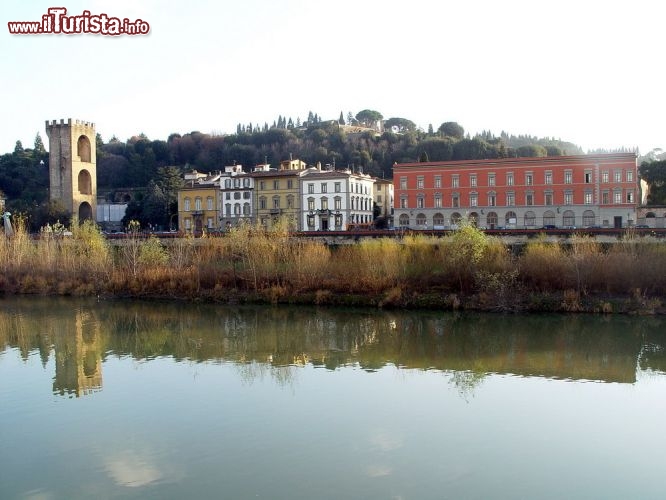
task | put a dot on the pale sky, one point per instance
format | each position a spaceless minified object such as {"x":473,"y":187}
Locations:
{"x":584,"y":71}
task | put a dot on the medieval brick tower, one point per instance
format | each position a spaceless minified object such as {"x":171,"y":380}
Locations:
{"x":73,"y":166}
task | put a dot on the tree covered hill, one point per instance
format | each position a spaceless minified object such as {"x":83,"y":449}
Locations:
{"x":366,"y":143}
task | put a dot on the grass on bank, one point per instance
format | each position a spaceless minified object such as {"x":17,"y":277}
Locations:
{"x":251,"y":263}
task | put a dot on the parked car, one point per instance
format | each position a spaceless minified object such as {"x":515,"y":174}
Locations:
{"x":549,"y":226}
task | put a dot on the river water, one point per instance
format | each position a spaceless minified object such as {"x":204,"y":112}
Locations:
{"x":174,"y":400}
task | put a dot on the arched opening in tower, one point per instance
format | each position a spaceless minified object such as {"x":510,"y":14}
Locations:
{"x":85,"y":211}
{"x":83,"y":148}
{"x":85,"y":182}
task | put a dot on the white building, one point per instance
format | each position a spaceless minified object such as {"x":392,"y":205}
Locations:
{"x":332,"y":200}
{"x":237,"y":188}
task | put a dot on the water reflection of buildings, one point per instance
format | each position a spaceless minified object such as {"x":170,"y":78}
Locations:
{"x":78,"y":357}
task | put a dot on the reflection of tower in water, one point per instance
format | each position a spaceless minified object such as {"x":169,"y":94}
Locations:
{"x":79,"y":358}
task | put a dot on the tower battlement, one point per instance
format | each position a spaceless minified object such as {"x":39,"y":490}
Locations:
{"x":50,"y":124}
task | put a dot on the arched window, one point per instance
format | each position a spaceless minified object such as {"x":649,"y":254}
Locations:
{"x":421,"y":220}
{"x":187,"y":205}
{"x":237,"y":209}
{"x":491,"y":220}
{"x":403,"y":220}
{"x":197,"y":204}
{"x":568,"y":218}
{"x":83,"y":148}
{"x":455,"y":218}
{"x":85,"y":182}
{"x":510,"y":218}
{"x":589,"y":218}
{"x":438,"y":219}
{"x":474,"y":219}
{"x":549,"y":218}
{"x":227,"y":183}
{"x":530,"y":219}
{"x":246,"y":209}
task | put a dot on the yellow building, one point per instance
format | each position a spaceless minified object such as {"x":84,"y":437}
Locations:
{"x":199,"y":203}
{"x":277,"y":194}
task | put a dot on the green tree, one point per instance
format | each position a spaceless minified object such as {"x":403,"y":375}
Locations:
{"x":341,"y":120}
{"x":400,"y":124}
{"x":654,"y":173}
{"x":39,"y":145}
{"x":532,"y":151}
{"x":369,"y":117}
{"x":451,"y":129}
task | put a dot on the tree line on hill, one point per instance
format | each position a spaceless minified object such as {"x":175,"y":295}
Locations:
{"x":365,"y":142}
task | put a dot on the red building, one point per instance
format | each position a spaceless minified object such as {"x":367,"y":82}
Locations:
{"x":562,"y":191}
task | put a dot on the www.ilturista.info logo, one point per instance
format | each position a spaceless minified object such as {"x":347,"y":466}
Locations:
{"x":57,"y":22}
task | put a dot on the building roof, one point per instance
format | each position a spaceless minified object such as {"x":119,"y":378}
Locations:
{"x":541,"y":160}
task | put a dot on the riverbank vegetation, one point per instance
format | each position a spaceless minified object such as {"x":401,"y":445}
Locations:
{"x":465,"y":270}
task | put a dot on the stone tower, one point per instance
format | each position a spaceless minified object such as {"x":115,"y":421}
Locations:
{"x":73,"y":166}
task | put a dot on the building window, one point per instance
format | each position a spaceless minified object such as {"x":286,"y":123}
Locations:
{"x":548,"y":218}
{"x":403,"y":183}
{"x":247,"y":195}
{"x":311,"y":222}
{"x":568,"y":218}
{"x":324,"y":187}
{"x":630,"y":176}
{"x":209,"y":203}
{"x":227,"y":183}
{"x":237,"y":195}
{"x":338,"y":221}
{"x":262,"y":185}
{"x":548,"y":198}
{"x":290,"y":184}
{"x":605,"y":198}
{"x":492,"y":199}
{"x":529,"y":199}
{"x":438,"y":181}
{"x":403,"y":202}
{"x":438,"y":219}
{"x":403,"y":220}
{"x":604,"y":176}
{"x":188,"y":224}
{"x":227,"y":195}
{"x":588,"y":177}
{"x":510,"y":199}
{"x":420,"y":202}
{"x":568,"y":198}
{"x":529,"y":179}
{"x":421,"y":220}
{"x":237,"y":209}
{"x":568,"y":175}
{"x":618,"y":176}
{"x":455,"y":200}
{"x":588,"y":218}
{"x":473,"y":199}
{"x":472,"y":180}
{"x":491,"y":180}
{"x":262,"y":203}
{"x":455,"y":181}
{"x":187,"y":205}
{"x":630,"y":196}
{"x":324,"y":203}
{"x":337,"y":187}
{"x":549,"y":177}
{"x":246,"y":182}
{"x":246,"y":209}
{"x":311,"y":204}
{"x":338,"y":203}
{"x":530,"y":219}
{"x":276,"y":202}
{"x":290,"y":202}
{"x":311,"y":189}
{"x":419,"y":182}
{"x":438,"y":200}
{"x":276,"y":185}
{"x":509,"y":179}
{"x":588,"y":198}
{"x":227,"y":209}
{"x":197,"y":204}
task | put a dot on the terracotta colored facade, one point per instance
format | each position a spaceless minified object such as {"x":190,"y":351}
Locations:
{"x":563,"y":191}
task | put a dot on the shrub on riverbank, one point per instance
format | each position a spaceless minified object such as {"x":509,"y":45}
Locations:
{"x":466,"y":269}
